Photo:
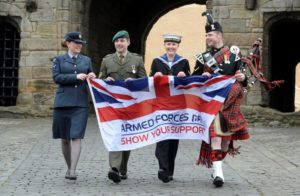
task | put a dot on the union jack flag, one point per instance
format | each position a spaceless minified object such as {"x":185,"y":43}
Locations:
{"x":141,"y":106}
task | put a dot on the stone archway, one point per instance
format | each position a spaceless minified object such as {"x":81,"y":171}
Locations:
{"x":107,"y":17}
{"x":21,"y":27}
{"x":283,"y":56}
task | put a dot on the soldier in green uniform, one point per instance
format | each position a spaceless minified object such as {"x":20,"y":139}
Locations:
{"x":121,"y":65}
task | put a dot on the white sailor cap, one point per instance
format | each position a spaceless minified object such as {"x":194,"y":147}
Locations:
{"x":172,"y":38}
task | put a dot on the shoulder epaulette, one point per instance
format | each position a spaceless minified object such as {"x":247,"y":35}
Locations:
{"x":57,"y":58}
{"x":108,"y":55}
{"x":199,"y":57}
{"x":135,"y":54}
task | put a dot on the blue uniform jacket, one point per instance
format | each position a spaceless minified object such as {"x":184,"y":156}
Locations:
{"x":71,"y":92}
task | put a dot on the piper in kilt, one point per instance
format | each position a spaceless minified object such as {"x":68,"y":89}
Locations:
{"x":230,"y":123}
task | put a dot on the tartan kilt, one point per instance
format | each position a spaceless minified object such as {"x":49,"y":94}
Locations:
{"x":232,"y":114}
{"x":235,"y":122}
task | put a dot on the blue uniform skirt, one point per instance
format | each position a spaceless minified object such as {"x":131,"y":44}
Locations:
{"x":69,"y":122}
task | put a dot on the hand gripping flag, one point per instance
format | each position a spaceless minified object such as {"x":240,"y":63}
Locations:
{"x":144,"y":111}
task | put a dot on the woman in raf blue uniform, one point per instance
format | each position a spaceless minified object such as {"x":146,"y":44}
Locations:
{"x":168,"y":64}
{"x":70,"y":115}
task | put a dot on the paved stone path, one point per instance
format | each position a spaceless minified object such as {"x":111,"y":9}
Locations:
{"x":31,"y":163}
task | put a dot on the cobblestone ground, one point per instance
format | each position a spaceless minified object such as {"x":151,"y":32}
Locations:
{"x":31,"y":163}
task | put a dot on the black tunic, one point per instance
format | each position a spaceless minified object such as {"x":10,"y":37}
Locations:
{"x":160,"y":64}
{"x":229,"y":68}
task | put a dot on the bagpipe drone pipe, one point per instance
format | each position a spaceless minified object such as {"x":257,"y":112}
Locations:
{"x":252,"y":63}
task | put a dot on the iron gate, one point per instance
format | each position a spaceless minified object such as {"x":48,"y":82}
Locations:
{"x":9,"y":61}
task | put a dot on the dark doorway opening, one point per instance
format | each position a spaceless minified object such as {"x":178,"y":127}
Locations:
{"x":285,"y":55}
{"x":9,"y":64}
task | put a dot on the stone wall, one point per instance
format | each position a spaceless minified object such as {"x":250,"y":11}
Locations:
{"x":242,"y":26}
{"x":266,"y":117}
{"x":43,"y":29}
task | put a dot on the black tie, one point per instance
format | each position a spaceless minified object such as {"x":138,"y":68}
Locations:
{"x":74,"y":58}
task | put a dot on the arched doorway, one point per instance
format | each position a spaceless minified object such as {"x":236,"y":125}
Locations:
{"x":284,"y":55}
{"x":107,"y":17}
{"x":9,"y":64}
{"x":192,"y":32}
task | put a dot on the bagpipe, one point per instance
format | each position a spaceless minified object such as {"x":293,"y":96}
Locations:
{"x":250,"y":65}
{"x":252,"y":62}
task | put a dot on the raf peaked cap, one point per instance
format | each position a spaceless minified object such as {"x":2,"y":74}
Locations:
{"x":172,"y":38}
{"x":120,"y":34}
{"x":75,"y":37}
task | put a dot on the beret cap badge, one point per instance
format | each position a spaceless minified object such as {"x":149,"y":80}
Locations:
{"x":120,"y":34}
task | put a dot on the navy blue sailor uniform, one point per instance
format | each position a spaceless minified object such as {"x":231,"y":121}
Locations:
{"x":71,"y":99}
{"x":166,"y":150}
{"x":161,"y":64}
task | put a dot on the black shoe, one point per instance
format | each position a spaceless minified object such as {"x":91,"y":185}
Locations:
{"x":67,"y":175}
{"x":163,"y":176}
{"x":170,"y":178}
{"x":113,"y":175}
{"x":72,"y":177}
{"x":218,"y":182}
{"x":123,"y":176}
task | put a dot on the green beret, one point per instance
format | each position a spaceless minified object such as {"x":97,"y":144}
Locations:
{"x":120,"y":34}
